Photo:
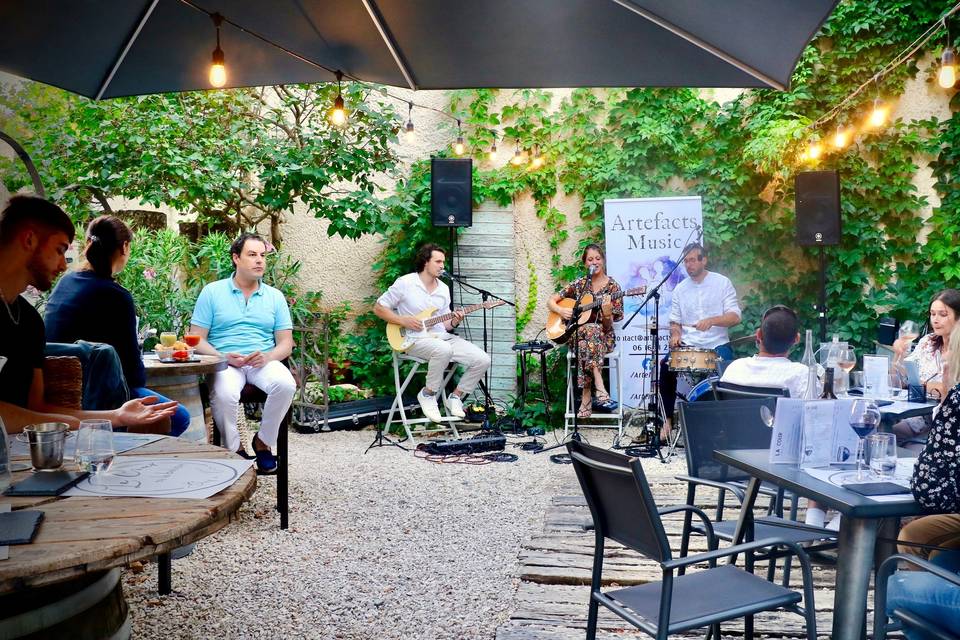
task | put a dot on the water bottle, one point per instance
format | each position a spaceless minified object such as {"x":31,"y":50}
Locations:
{"x":811,"y":363}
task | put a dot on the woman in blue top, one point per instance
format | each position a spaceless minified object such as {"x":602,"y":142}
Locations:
{"x":90,"y":305}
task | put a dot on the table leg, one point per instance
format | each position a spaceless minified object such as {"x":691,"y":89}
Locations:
{"x":857,"y":541}
{"x":745,"y":522}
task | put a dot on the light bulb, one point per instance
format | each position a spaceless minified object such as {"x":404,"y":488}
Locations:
{"x":814,"y":151}
{"x":841,"y":138}
{"x":492,"y":154}
{"x":517,"y":158}
{"x":879,"y":114}
{"x":409,"y":133}
{"x":338,"y":115}
{"x":459,"y":147}
{"x":948,"y":69}
{"x":218,"y":69}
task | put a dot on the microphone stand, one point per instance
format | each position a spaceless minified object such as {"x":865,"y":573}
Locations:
{"x":575,"y":336}
{"x":484,"y":384}
{"x":659,"y":411}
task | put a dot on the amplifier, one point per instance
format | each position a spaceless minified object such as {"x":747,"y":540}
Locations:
{"x":477,"y":444}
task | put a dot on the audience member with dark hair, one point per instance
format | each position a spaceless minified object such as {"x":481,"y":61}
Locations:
{"x":68,"y":315}
{"x":34,"y":237}
{"x":248,"y":322}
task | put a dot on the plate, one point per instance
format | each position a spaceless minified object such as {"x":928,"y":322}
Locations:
{"x":173,"y":361}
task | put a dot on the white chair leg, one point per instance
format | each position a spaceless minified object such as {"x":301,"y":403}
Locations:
{"x":571,"y":404}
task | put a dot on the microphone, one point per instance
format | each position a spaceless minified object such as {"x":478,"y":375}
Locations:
{"x":592,"y":269}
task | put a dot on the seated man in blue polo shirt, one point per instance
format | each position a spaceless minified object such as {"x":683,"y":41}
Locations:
{"x":247,"y":322}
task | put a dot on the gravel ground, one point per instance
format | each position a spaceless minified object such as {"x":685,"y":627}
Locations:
{"x":382,"y":545}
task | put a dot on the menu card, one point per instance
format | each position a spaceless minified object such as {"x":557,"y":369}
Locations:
{"x":876,"y":377}
{"x":812,"y":433}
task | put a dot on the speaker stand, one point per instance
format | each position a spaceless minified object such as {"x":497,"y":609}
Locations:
{"x":822,"y":304}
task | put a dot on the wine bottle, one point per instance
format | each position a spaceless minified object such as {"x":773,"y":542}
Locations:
{"x":811,"y":363}
{"x":828,"y":393}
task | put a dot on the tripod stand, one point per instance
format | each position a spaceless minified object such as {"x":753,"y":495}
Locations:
{"x":382,"y":440}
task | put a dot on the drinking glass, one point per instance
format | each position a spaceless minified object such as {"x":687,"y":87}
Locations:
{"x":909,"y":330}
{"x":95,"y":446}
{"x":5,"y":476}
{"x":191,"y":339}
{"x":846,"y":361}
{"x":864,"y":418}
{"x":882,"y":455}
{"x":167,"y":338}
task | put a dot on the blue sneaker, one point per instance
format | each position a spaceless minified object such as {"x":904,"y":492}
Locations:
{"x":266,"y":461}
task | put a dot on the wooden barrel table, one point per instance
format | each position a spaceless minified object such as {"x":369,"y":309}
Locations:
{"x":180,"y":381}
{"x":66,"y":582}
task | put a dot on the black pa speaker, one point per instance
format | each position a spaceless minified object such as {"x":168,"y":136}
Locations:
{"x":818,"y":208}
{"x":451,"y":194}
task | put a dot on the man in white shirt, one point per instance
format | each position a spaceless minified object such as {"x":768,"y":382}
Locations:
{"x":416,"y":292}
{"x":771,"y":367}
{"x":703,"y":307}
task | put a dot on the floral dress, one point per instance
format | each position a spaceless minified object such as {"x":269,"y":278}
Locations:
{"x":936,"y":478}
{"x":594,"y":341}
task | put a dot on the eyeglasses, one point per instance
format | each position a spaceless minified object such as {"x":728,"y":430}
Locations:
{"x":779,"y":307}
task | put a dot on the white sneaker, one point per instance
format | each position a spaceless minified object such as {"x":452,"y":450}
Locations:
{"x":429,"y":406}
{"x":455,"y":406}
{"x":834,"y":524}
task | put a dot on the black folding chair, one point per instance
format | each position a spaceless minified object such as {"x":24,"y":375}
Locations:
{"x":730,"y":391}
{"x":623,"y":510}
{"x":737,"y":424}
{"x":901,"y":617}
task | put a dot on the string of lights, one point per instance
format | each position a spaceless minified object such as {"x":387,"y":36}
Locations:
{"x":946,"y":79}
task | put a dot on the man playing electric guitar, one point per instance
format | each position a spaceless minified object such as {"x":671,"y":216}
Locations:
{"x":416,"y":292}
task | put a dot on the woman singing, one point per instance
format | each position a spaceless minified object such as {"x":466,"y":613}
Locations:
{"x":595,"y":339}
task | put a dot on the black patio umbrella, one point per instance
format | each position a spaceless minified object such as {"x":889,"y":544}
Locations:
{"x":111,"y":48}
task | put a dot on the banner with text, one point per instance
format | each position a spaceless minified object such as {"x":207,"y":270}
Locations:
{"x":645,"y":238}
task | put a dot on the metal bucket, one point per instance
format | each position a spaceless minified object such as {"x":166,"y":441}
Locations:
{"x":46,"y":441}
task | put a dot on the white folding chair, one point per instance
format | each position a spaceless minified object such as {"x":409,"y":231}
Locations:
{"x":613,"y":420}
{"x":410,"y":423}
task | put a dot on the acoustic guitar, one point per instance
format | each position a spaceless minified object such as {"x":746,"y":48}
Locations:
{"x":397,"y":334}
{"x":560,"y":330}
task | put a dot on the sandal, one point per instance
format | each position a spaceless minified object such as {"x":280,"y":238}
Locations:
{"x":585,"y":411}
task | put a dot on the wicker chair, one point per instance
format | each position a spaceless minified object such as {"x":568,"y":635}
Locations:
{"x":63,"y":381}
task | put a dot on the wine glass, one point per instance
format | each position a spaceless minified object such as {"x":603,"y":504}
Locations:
{"x":95,"y":450}
{"x":909,"y":330}
{"x":846,"y":360}
{"x":864,"y":418}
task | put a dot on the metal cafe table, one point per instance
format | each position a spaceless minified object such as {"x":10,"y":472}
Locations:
{"x":863,"y":518}
{"x":66,"y":582}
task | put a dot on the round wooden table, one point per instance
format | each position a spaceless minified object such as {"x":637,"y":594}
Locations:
{"x":73,"y":563}
{"x":180,"y":381}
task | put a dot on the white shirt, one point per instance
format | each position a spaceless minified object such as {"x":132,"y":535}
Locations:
{"x":768,"y":371}
{"x":408,"y":296}
{"x":693,"y":301}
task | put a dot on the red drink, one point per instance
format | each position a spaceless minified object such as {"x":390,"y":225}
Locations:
{"x":191,"y":340}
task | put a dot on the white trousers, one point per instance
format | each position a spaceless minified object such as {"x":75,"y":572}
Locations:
{"x":439,"y":352}
{"x":273,"y":378}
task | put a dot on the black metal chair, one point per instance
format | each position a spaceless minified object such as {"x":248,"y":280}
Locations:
{"x":623,"y":510}
{"x":737,"y":424}
{"x":730,"y":391}
{"x":901,"y":617}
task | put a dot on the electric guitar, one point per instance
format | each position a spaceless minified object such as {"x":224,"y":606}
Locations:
{"x":397,"y":334}
{"x":560,"y":330}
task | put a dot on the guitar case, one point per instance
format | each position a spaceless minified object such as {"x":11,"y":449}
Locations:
{"x":351,"y":415}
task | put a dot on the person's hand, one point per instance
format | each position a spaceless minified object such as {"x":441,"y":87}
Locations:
{"x":412,"y":323}
{"x":936,"y":390}
{"x":704,"y":324}
{"x":236,"y":360}
{"x":900,"y":347}
{"x":674,"y":341}
{"x":607,"y":309}
{"x":565,"y":312}
{"x":457,"y":317}
{"x":144,"y":411}
{"x":255,"y":359}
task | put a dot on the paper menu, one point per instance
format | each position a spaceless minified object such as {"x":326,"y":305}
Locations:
{"x":812,"y":433}
{"x":875,"y":377}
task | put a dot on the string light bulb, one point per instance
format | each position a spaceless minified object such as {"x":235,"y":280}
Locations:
{"x":338,"y":115}
{"x":814,"y":151}
{"x":842,"y":137}
{"x":517,"y":158}
{"x":947,"y":76}
{"x":409,"y":132}
{"x":537,"y":161}
{"x":879,"y":114}
{"x":492,"y":154}
{"x":459,"y":147}
{"x":218,"y":67}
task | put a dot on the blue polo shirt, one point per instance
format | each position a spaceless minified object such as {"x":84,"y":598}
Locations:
{"x":236,"y":325}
